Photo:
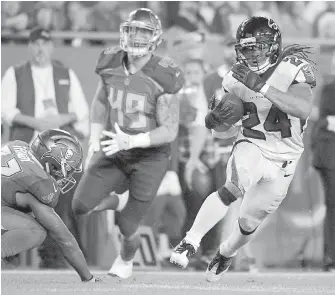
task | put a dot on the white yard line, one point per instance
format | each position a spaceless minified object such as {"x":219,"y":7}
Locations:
{"x":43,"y":272}
{"x":127,"y":287}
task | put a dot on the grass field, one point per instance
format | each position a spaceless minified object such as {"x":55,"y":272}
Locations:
{"x":15,"y":282}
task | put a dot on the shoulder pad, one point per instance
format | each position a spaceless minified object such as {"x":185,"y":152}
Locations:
{"x":167,"y":74}
{"x":109,"y":58}
{"x":20,"y":143}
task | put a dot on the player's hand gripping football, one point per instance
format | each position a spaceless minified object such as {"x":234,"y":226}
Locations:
{"x":247,"y":77}
{"x":219,"y":112}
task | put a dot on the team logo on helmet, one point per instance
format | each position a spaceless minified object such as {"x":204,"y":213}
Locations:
{"x":64,"y":155}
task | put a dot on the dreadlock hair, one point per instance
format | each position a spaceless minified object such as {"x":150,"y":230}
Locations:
{"x":300,"y":51}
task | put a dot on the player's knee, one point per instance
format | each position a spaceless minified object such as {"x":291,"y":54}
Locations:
{"x":248,"y":225}
{"x":226,"y":196}
{"x":38,"y":235}
{"x":128,"y":228}
{"x":78,"y":208}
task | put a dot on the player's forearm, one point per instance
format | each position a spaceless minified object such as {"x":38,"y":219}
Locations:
{"x":167,"y":113}
{"x":73,"y":254}
{"x":96,"y":130}
{"x":67,"y":119}
{"x":26,"y":121}
{"x":163,"y":134}
{"x":198,"y":136}
{"x":231,"y":132}
{"x":289,"y":103}
{"x":57,"y":230}
{"x":99,"y":107}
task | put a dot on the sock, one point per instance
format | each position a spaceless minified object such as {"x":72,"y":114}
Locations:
{"x":235,"y":241}
{"x":129,"y":247}
{"x":210,"y":213}
{"x":123,"y":199}
{"x":114,"y":201}
{"x":16,"y":241}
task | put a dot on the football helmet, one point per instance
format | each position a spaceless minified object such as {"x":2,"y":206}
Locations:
{"x":60,"y":154}
{"x":258,"y":43}
{"x":141,"y":33}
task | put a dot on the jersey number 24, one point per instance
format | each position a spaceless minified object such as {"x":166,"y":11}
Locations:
{"x":276,"y":121}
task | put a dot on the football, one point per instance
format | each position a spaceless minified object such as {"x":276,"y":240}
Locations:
{"x":237,"y":113}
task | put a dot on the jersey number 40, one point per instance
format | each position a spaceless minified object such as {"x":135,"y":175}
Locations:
{"x":130,"y":108}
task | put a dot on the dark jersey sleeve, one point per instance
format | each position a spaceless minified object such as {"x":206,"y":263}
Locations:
{"x":46,"y":191}
{"x":167,"y":74}
{"x":109,"y":58}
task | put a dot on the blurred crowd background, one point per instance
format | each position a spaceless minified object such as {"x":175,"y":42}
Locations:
{"x":295,"y":18}
{"x":291,"y":237}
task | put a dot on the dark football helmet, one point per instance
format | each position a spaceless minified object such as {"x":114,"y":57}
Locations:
{"x":60,"y":154}
{"x":258,"y":43}
{"x":141,"y":33}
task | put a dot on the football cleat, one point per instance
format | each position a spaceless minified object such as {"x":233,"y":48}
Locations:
{"x":182,"y":252}
{"x":217,"y":267}
{"x":122,"y":269}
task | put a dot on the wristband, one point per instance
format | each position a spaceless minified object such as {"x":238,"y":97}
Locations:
{"x":141,"y":140}
{"x":264,"y":89}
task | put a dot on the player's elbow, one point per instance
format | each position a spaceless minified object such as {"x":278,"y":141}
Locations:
{"x":173,"y":132}
{"x":303,"y":111}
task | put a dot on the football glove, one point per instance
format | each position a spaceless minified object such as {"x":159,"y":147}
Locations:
{"x":247,"y":77}
{"x":219,"y":113}
{"x":122,"y":141}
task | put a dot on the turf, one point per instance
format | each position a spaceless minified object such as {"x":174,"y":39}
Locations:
{"x":15,"y":282}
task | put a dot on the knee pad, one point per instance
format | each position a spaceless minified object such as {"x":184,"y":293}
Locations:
{"x":78,"y":208}
{"x":226,"y":196}
{"x":128,"y":228}
{"x":247,"y":226}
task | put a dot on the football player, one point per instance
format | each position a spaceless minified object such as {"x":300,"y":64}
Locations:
{"x":275,"y":86}
{"x":135,"y":93}
{"x":32,"y":177}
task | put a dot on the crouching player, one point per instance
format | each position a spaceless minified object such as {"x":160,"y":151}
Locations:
{"x":32,"y":178}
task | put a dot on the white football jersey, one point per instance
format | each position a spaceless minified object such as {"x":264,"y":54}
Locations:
{"x":277,"y":134}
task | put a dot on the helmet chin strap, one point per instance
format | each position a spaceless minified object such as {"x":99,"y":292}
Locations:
{"x":266,"y":65}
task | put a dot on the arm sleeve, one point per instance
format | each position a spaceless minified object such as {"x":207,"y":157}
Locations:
{"x":57,"y":230}
{"x":8,"y":97}
{"x":46,"y":191}
{"x":78,"y":105}
{"x":99,"y":108}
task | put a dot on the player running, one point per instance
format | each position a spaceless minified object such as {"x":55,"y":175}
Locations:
{"x":275,"y":87}
{"x":135,"y":95}
{"x":32,"y":177}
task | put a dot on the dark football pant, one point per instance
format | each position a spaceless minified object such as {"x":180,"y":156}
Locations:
{"x":21,"y":232}
{"x":328,"y":179}
{"x":142,"y":174}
